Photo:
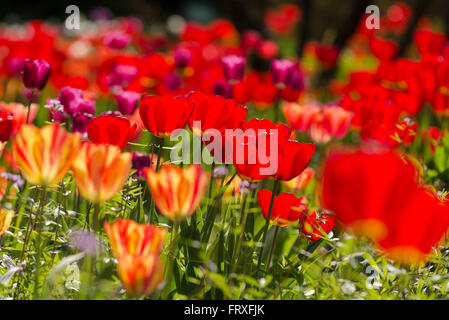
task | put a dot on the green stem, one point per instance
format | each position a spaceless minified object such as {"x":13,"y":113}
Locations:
{"x":171,"y":258}
{"x":29,"y":105}
{"x":243,"y":216}
{"x":38,"y":242}
{"x":272,"y":246}
{"x":276,"y":186}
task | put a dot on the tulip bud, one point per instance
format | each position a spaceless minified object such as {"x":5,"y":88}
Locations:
{"x":172,"y":81}
{"x":69,"y":98}
{"x":223,"y":88}
{"x":297,"y":80}
{"x":116,"y":40}
{"x":140,"y":161}
{"x":127,"y":101}
{"x":86,"y":106}
{"x":233,"y":67}
{"x":80,"y":121}
{"x":281,"y":71}
{"x":182,"y":57}
{"x":35,"y":73}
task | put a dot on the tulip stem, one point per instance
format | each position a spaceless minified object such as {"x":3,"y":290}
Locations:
{"x":29,"y":105}
{"x":38,"y":242}
{"x":276,"y":186}
{"x":276,"y":230}
{"x":160,"y":143}
{"x":243,"y":217}
{"x":171,"y":259}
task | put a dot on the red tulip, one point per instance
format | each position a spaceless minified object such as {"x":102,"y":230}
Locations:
{"x":383,"y":49}
{"x":253,"y":157}
{"x":363,"y":186}
{"x":162,"y":115}
{"x":215,"y":112}
{"x":293,"y":159}
{"x":287,"y":208}
{"x":111,"y":129}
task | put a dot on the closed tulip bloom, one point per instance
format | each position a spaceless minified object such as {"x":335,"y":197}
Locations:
{"x":287,"y":208}
{"x":182,"y":57}
{"x":223,"y":88}
{"x":281,"y":72}
{"x":111,"y":129}
{"x":45,"y":155}
{"x":100,"y":171}
{"x":215,"y":112}
{"x":80,"y":121}
{"x":69,"y":98}
{"x":293,"y":158}
{"x":162,"y":115}
{"x":177,"y":192}
{"x":127,"y":102}
{"x":35,"y":73}
{"x":137,"y":249}
{"x":117,"y":40}
{"x":255,"y":158}
{"x":5,"y":220}
{"x":233,"y":67}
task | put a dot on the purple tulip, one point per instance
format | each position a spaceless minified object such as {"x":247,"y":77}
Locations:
{"x":35,"y":73}
{"x":140,"y":161}
{"x":281,"y":71}
{"x":86,"y":106}
{"x":297,"y":80}
{"x":117,"y":40}
{"x":182,"y":57}
{"x":172,"y":81}
{"x":69,"y":99}
{"x":127,"y":101}
{"x":80,"y":122}
{"x":122,"y":74}
{"x":223,"y":88}
{"x":233,"y":67}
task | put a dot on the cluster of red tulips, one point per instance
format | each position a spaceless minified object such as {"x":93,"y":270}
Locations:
{"x":89,"y":103}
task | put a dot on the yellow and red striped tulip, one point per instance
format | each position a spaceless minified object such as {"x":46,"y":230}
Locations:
{"x":5,"y":220}
{"x":44,"y":155}
{"x":177,"y":192}
{"x":137,"y":248}
{"x":100,"y":171}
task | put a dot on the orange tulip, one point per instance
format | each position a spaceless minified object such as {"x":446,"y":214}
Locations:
{"x":177,"y":192}
{"x":44,"y":155}
{"x":5,"y":220}
{"x":137,"y":248}
{"x":100,"y":171}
